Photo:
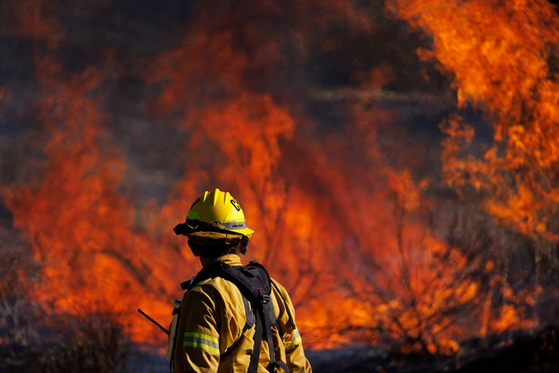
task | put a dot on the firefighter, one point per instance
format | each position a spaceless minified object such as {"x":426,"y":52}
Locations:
{"x":216,"y":331}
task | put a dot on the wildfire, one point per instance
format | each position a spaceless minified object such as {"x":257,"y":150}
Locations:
{"x":338,"y":220}
{"x":499,"y":54}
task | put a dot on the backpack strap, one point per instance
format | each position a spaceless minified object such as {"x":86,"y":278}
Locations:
{"x":255,"y":285}
{"x":255,"y":356}
{"x":261,"y":286}
{"x":264,"y":328}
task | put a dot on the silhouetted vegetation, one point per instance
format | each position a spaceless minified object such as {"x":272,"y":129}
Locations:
{"x":34,"y":337}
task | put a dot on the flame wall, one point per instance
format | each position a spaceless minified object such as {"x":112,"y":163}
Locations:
{"x":320,"y":119}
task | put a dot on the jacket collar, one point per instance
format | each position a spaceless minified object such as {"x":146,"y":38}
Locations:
{"x":229,"y":259}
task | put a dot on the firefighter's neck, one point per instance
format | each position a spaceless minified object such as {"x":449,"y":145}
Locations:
{"x":205,"y":261}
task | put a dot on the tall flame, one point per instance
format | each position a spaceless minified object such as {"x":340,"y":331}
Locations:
{"x":501,"y":55}
{"x":342,"y":227}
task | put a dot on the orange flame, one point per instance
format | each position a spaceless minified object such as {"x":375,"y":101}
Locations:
{"x":499,"y":53}
{"x":348,"y":239}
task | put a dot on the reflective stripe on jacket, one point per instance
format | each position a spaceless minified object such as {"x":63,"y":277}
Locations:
{"x":212,"y":319}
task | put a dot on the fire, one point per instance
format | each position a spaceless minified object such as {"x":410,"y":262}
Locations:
{"x":339,"y":221}
{"x":501,"y":57}
{"x":26,"y":20}
{"x":82,"y":229}
{"x":499,"y":54}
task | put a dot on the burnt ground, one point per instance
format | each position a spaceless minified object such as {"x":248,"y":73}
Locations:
{"x":518,"y":352}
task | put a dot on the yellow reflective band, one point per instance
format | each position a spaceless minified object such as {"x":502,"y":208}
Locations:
{"x":296,"y":340}
{"x":201,"y":341}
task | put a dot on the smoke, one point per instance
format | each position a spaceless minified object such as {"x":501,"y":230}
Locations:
{"x":319,"y":117}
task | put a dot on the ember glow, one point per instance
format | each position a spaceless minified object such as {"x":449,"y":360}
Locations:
{"x":323,"y":125}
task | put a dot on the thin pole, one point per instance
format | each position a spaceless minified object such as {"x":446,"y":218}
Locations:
{"x":153,"y":321}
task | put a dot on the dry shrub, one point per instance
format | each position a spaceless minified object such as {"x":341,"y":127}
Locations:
{"x":35,"y":338}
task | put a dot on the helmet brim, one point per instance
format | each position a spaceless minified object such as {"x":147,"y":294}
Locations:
{"x":245,"y":231}
{"x":192,"y":227}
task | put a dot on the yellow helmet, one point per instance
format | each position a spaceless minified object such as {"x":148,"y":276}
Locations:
{"x":213,"y":215}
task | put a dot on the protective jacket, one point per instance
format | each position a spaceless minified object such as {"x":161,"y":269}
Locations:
{"x":211,"y":335}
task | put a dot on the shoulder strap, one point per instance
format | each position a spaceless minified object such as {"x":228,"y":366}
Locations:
{"x":254,"y":283}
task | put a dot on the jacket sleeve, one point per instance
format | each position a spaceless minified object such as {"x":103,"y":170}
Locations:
{"x":197,"y":343}
{"x":292,"y":341}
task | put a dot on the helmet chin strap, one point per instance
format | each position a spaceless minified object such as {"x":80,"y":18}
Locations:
{"x":244,"y":244}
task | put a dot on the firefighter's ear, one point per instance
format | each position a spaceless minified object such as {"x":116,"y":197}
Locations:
{"x":194,"y":248}
{"x":243,"y":245}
